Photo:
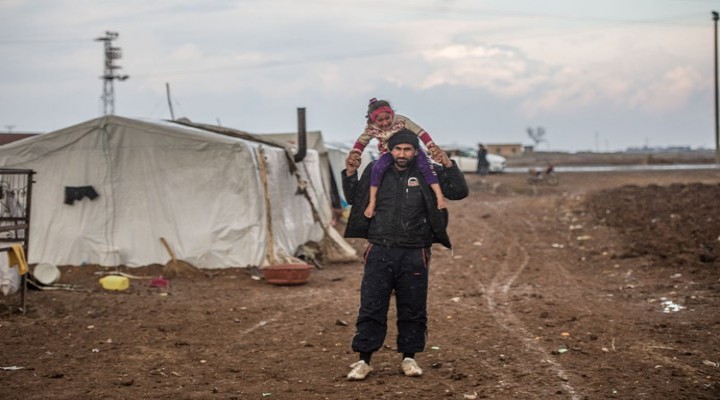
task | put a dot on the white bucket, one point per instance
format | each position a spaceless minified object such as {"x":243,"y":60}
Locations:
{"x":46,"y":273}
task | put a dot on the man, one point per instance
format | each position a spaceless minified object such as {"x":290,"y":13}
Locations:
{"x":400,"y":233}
{"x":483,"y":165}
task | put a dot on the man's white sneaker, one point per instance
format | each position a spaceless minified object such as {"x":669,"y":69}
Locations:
{"x":359,"y":371}
{"x":410,"y":367}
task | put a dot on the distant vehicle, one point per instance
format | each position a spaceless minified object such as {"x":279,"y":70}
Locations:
{"x":466,"y":160}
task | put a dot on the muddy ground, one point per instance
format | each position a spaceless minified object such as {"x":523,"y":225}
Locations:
{"x":606,"y":286}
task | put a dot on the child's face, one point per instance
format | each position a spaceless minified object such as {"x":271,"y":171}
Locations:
{"x":383,"y":120}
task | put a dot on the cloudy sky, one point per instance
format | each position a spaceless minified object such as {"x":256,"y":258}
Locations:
{"x":599,"y":75}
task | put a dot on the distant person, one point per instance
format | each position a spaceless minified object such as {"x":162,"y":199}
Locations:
{"x":397,"y":259}
{"x":483,"y":165}
{"x":550,"y":168}
{"x":382,"y":124}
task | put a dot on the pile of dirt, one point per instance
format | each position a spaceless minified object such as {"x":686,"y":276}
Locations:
{"x":676,"y":223}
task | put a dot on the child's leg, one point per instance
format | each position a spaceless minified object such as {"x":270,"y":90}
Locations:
{"x":376,"y":176}
{"x":370,"y":209}
{"x":425,"y":166}
{"x":439,"y":195}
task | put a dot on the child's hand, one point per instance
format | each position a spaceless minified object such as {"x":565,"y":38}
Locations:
{"x":438,"y":155}
{"x":352,"y":163}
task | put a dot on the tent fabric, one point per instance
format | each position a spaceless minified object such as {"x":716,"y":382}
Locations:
{"x":314,"y":141}
{"x":200,"y":190}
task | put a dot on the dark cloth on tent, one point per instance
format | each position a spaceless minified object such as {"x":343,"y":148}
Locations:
{"x":78,"y":193}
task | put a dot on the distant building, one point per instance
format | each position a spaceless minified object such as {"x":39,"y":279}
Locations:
{"x":669,"y":149}
{"x":7,"y":137}
{"x":505,"y":149}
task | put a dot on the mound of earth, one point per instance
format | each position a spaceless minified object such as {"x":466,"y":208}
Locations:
{"x":678,"y":223}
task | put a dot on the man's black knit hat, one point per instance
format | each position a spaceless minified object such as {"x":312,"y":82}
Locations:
{"x":404,"y":136}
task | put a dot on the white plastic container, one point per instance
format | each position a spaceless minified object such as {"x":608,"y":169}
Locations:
{"x":46,"y":273}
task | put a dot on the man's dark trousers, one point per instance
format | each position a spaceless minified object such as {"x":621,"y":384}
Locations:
{"x":404,"y":270}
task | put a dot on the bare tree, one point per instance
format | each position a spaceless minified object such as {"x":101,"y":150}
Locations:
{"x":537,"y":135}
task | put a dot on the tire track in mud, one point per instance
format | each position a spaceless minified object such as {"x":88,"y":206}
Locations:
{"x":497,"y":292}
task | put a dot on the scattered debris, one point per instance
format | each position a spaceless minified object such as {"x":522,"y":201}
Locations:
{"x":669,"y":306}
{"x":115,"y":282}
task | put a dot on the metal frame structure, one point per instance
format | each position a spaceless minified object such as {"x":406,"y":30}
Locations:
{"x":15,"y":206}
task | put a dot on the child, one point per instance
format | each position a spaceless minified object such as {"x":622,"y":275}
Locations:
{"x":382,"y":123}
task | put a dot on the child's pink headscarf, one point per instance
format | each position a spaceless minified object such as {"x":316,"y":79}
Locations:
{"x":381,"y":110}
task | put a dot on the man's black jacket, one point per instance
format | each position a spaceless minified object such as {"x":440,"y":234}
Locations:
{"x":410,"y":232}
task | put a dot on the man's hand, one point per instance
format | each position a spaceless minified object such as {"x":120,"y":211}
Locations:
{"x":352,"y":163}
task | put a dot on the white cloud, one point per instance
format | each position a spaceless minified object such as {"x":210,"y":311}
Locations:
{"x":243,"y":60}
{"x":670,"y":92}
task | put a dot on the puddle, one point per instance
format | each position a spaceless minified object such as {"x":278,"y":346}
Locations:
{"x":669,"y":306}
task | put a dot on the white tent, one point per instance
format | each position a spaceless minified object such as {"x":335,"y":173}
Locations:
{"x":315,"y":142}
{"x":207,"y":193}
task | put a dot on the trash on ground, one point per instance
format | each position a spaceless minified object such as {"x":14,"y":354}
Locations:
{"x":159,"y":282}
{"x":114,"y":282}
{"x":11,"y":368}
{"x":669,"y":306}
{"x":558,"y":245}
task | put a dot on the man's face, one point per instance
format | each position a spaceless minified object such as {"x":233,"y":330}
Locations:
{"x":403,"y":153}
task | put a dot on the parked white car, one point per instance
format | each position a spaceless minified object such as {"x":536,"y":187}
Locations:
{"x":466,"y":160}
